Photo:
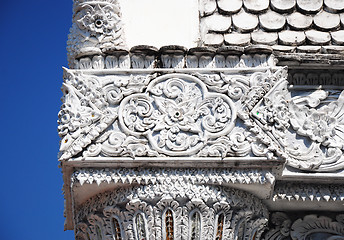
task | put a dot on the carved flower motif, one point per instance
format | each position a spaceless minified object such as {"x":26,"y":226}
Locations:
{"x":98,"y":20}
{"x":324,"y":125}
{"x":320,"y":126}
{"x":177,"y":115}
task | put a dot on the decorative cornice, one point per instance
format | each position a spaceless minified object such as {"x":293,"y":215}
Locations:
{"x":308,"y":192}
{"x":162,"y":176}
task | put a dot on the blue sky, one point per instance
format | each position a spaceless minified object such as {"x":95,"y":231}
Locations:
{"x":33,"y":41}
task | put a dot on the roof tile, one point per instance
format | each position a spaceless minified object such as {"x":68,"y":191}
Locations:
{"x":261,"y":37}
{"x":291,"y":38}
{"x":338,"y":37}
{"x":240,"y":39}
{"x":217,"y":22}
{"x":311,"y":24}
{"x":309,"y":49}
{"x":213,"y":39}
{"x":342,"y":18}
{"x":283,"y":5}
{"x":334,"y":5}
{"x":245,"y":22}
{"x":282,"y":48}
{"x":229,"y":6}
{"x":256,"y":5}
{"x":299,"y":21}
{"x":272,"y":21}
{"x":207,"y":7}
{"x":310,"y":6}
{"x":333,"y":49}
{"x":317,"y":37}
{"x":259,"y":48}
{"x":326,"y":21}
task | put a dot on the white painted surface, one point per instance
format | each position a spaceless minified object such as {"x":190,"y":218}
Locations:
{"x":160,"y":22}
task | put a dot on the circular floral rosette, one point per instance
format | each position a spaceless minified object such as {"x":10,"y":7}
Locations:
{"x":177,"y":115}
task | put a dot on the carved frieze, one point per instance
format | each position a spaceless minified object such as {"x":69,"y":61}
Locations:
{"x":308,"y":192}
{"x":141,"y":213}
{"x":165,"y":176}
{"x":170,"y":115}
{"x":201,"y":114}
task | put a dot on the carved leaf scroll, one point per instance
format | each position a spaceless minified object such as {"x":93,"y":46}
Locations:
{"x":306,"y":228}
{"x":322,"y":124}
{"x":177,"y":114}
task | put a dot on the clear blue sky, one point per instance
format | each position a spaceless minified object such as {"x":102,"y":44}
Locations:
{"x":33,"y":50}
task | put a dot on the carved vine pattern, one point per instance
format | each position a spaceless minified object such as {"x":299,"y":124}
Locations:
{"x":184,"y":115}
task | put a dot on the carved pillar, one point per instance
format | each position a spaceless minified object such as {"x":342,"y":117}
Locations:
{"x":213,"y":141}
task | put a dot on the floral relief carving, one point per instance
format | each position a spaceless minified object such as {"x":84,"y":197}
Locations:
{"x":90,"y":106}
{"x":184,"y":118}
{"x":307,"y":227}
{"x":173,"y":115}
{"x":279,"y":120}
{"x":96,"y":27}
{"x":323,"y":125}
{"x":201,"y":115}
{"x":264,"y":112}
{"x":150,"y":203}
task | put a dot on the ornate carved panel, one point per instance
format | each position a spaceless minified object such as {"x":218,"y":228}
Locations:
{"x":168,"y":115}
{"x":201,"y":114}
{"x":141,"y":211}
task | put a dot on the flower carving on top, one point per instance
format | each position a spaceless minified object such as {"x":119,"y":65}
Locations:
{"x":97,"y":27}
{"x":98,"y":21}
{"x":177,"y":114}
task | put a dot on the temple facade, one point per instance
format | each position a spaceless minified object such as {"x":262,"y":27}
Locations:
{"x":204,"y":120}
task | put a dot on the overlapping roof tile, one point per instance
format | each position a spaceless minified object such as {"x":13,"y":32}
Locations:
{"x":284,"y":24}
{"x":299,"y":21}
{"x":318,"y":38}
{"x":291,"y":38}
{"x":309,"y":6}
{"x":272,"y":21}
{"x":238,"y":39}
{"x":267,"y":38}
{"x":256,"y":6}
{"x":245,"y":22}
{"x":326,"y":21}
{"x":334,"y":5}
{"x":338,"y":37}
{"x":232,"y":6}
{"x":283,"y":5}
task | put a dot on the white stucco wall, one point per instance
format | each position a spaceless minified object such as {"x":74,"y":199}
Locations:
{"x":160,"y":22}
